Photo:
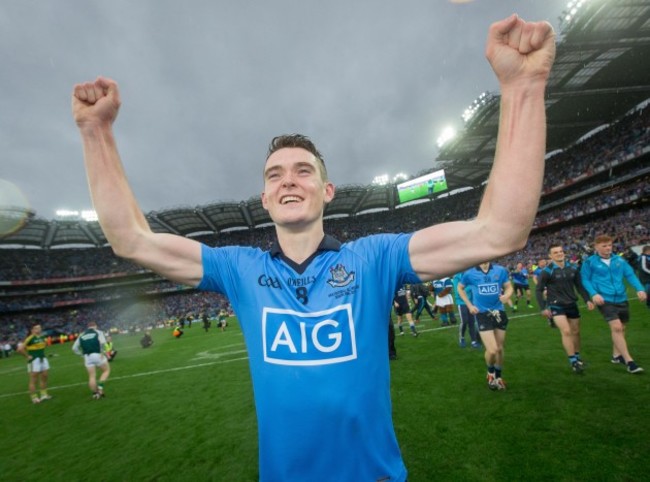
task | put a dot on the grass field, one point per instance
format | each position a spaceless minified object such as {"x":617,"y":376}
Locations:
{"x":183,"y":410}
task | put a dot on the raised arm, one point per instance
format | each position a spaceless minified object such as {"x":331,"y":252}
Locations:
{"x":95,"y":106}
{"x":521,"y":54}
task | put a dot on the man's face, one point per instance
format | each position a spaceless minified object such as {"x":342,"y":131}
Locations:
{"x":542,"y":263}
{"x":604,"y":249}
{"x":557,"y":254}
{"x":484,"y":266}
{"x":294,"y":190}
{"x":36,"y":330}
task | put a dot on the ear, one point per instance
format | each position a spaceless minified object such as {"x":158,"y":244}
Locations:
{"x":329,"y":192}
{"x":264,"y":203}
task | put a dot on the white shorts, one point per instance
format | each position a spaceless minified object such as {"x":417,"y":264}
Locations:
{"x":95,"y":360}
{"x":38,"y":365}
{"x":445,"y":300}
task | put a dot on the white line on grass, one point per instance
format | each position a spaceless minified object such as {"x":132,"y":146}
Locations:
{"x":135,"y":375}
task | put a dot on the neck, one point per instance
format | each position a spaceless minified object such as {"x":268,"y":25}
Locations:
{"x":299,"y":245}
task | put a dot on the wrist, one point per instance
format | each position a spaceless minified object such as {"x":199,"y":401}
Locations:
{"x":95,"y":129}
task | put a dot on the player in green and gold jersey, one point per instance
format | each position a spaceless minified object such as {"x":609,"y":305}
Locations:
{"x":33,"y":348}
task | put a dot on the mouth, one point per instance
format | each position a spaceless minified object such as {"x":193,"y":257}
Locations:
{"x":289,"y":200}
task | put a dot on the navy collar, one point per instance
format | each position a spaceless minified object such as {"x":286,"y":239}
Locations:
{"x":328,"y":243}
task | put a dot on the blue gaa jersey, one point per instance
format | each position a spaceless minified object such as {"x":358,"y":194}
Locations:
{"x":486,"y":287}
{"x":520,"y":277}
{"x":318,"y":353}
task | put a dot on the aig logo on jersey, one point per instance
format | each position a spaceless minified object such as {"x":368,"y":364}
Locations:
{"x":488,"y":289}
{"x":320,"y":338}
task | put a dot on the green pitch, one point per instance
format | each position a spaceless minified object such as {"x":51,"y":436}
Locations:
{"x":183,"y":409}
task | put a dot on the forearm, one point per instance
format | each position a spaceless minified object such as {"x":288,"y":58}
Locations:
{"x":119,"y":215}
{"x":512,"y":194}
{"x":508,"y":291}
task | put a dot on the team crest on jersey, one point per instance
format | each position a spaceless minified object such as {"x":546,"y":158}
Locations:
{"x":340,"y":276}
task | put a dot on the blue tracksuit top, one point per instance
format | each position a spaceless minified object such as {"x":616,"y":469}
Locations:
{"x":607,"y":281}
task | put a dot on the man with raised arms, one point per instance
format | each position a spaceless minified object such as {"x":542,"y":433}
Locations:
{"x":317,"y":349}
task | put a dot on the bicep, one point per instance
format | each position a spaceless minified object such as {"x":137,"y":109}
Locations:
{"x":171,"y":256}
{"x":446,"y":249}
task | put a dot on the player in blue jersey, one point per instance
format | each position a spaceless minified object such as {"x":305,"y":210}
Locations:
{"x":520,"y":284}
{"x":490,"y":288}
{"x":556,"y":290}
{"x":467,"y":323}
{"x":314,"y":310}
{"x":602,"y":276}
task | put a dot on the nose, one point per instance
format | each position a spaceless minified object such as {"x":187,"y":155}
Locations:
{"x":287,"y":180}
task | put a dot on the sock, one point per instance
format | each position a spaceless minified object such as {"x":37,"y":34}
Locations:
{"x":491,"y":369}
{"x":452,"y":317}
{"x":412,"y":328}
{"x":577,"y":355}
{"x":34,"y":396}
{"x":443,"y":318}
{"x":100,"y":387}
{"x":497,"y":371}
{"x":573,"y":359}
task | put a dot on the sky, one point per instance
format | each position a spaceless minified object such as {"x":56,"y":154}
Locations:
{"x":206,"y":84}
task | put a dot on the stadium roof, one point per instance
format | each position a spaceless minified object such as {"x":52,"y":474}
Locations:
{"x":600,"y":73}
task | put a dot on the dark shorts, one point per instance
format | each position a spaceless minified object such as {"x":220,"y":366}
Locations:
{"x":570,"y":311}
{"x":402,"y":308}
{"x":615,"y":311}
{"x":521,"y":288}
{"x":492,"y":320}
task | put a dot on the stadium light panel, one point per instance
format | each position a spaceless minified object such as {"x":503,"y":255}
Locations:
{"x":380,"y":180}
{"x":448,"y":133}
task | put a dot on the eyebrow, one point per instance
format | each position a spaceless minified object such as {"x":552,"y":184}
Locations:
{"x":296,"y":165}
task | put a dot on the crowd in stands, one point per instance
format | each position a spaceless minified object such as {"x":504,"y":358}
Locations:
{"x":625,"y":138}
{"x":133,"y":316}
{"x":589,"y":204}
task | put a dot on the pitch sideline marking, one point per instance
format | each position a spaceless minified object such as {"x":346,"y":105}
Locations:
{"x":135,"y":375}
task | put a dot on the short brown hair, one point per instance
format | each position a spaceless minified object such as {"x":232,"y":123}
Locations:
{"x":301,"y":141}
{"x":555,"y":245}
{"x":603,"y":238}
